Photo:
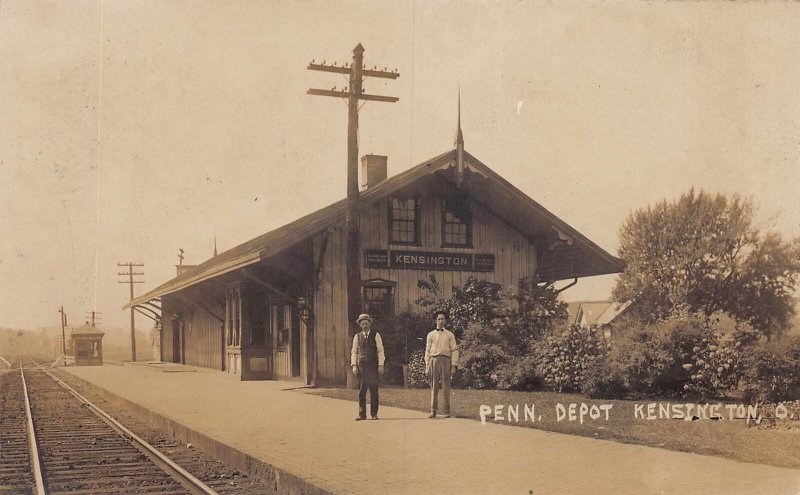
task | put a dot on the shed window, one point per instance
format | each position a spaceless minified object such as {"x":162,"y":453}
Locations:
{"x":403,"y":221}
{"x":456,"y":221}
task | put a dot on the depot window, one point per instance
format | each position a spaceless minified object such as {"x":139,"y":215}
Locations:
{"x":378,"y":297}
{"x":456,"y":222}
{"x":404,"y":220}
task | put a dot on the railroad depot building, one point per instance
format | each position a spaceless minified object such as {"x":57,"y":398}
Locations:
{"x":275,"y":307}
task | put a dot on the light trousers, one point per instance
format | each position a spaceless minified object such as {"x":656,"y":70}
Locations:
{"x":440,"y":378}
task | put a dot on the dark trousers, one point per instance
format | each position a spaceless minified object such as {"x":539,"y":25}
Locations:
{"x":368,"y":380}
{"x":372,"y":386}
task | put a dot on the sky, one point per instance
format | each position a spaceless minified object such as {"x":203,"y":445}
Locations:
{"x":130,"y":129}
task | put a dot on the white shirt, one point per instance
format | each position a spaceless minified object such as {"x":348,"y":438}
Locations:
{"x":441,"y":343}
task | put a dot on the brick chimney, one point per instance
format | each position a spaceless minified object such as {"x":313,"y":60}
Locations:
{"x":373,"y":170}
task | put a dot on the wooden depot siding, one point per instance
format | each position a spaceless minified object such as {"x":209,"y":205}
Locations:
{"x":203,"y":338}
{"x":330,"y":308}
{"x":202,"y":332}
{"x":168,"y":308}
{"x":515,"y":258}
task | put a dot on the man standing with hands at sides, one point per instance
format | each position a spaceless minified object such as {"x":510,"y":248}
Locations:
{"x":367,"y":358}
{"x":441,"y":357}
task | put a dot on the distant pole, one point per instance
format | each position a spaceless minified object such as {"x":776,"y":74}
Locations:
{"x":130,"y":273}
{"x":63,"y":335}
{"x":353,"y":94}
{"x":94,"y":317}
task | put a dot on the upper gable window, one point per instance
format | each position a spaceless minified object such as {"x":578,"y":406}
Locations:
{"x":404,"y":221}
{"x":456,"y":221}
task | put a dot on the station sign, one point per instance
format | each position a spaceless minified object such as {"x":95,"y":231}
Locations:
{"x":427,"y":260}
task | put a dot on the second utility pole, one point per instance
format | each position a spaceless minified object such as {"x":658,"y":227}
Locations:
{"x":130,"y":273}
{"x":353,"y":94}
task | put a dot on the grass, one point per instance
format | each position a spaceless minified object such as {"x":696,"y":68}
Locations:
{"x":730,"y":439}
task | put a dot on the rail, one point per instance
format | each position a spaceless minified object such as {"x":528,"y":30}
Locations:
{"x":34,"y":447}
{"x":186,"y":479}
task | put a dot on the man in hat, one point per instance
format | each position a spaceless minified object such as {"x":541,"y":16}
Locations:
{"x":441,"y":357}
{"x":367,"y":358}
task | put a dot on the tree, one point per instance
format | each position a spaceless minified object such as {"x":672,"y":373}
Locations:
{"x":701,"y":255}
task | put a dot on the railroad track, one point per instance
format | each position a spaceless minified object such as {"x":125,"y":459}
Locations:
{"x":16,"y":475}
{"x":73,"y":447}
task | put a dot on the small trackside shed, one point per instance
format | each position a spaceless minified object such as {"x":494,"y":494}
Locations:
{"x":275,"y":306}
{"x":87,"y":346}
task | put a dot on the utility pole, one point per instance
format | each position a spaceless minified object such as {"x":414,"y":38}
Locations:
{"x":94,"y":316}
{"x":130,"y":274}
{"x":353,"y":94}
{"x":63,"y":336}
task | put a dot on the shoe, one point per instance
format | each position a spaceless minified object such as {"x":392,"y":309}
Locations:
{"x":360,"y":418}
{"x":432,"y":415}
{"x":375,"y":417}
{"x":445,"y":415}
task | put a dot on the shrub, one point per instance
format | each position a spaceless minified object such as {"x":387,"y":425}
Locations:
{"x":521,"y":373}
{"x":680,"y":338}
{"x":402,"y":334}
{"x":482,"y":352}
{"x":714,"y":367}
{"x":477,"y":301}
{"x":641,"y":359}
{"x":497,"y":332}
{"x":417,"y":378}
{"x":565,"y":358}
{"x":772,"y":371}
{"x":604,"y":379}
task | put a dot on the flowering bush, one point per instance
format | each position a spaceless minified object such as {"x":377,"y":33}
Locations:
{"x":566,"y":356}
{"x":417,"y":378}
{"x":497,"y":331}
{"x":714,"y":367}
{"x":477,"y":301}
{"x":679,"y":357}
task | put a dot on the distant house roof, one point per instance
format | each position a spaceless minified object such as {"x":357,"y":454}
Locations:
{"x":573,"y":255}
{"x":589,"y":313}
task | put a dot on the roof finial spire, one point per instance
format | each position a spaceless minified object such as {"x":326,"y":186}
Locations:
{"x":459,"y":136}
{"x":215,"y":242}
{"x":459,"y":145}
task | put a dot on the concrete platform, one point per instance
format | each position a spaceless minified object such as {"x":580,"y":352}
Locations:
{"x":310,"y":444}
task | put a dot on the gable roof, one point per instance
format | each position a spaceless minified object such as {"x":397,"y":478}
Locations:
{"x":576,"y":256}
{"x":595,"y":312}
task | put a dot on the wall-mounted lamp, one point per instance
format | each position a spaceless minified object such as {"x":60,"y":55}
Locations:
{"x":303,"y":309}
